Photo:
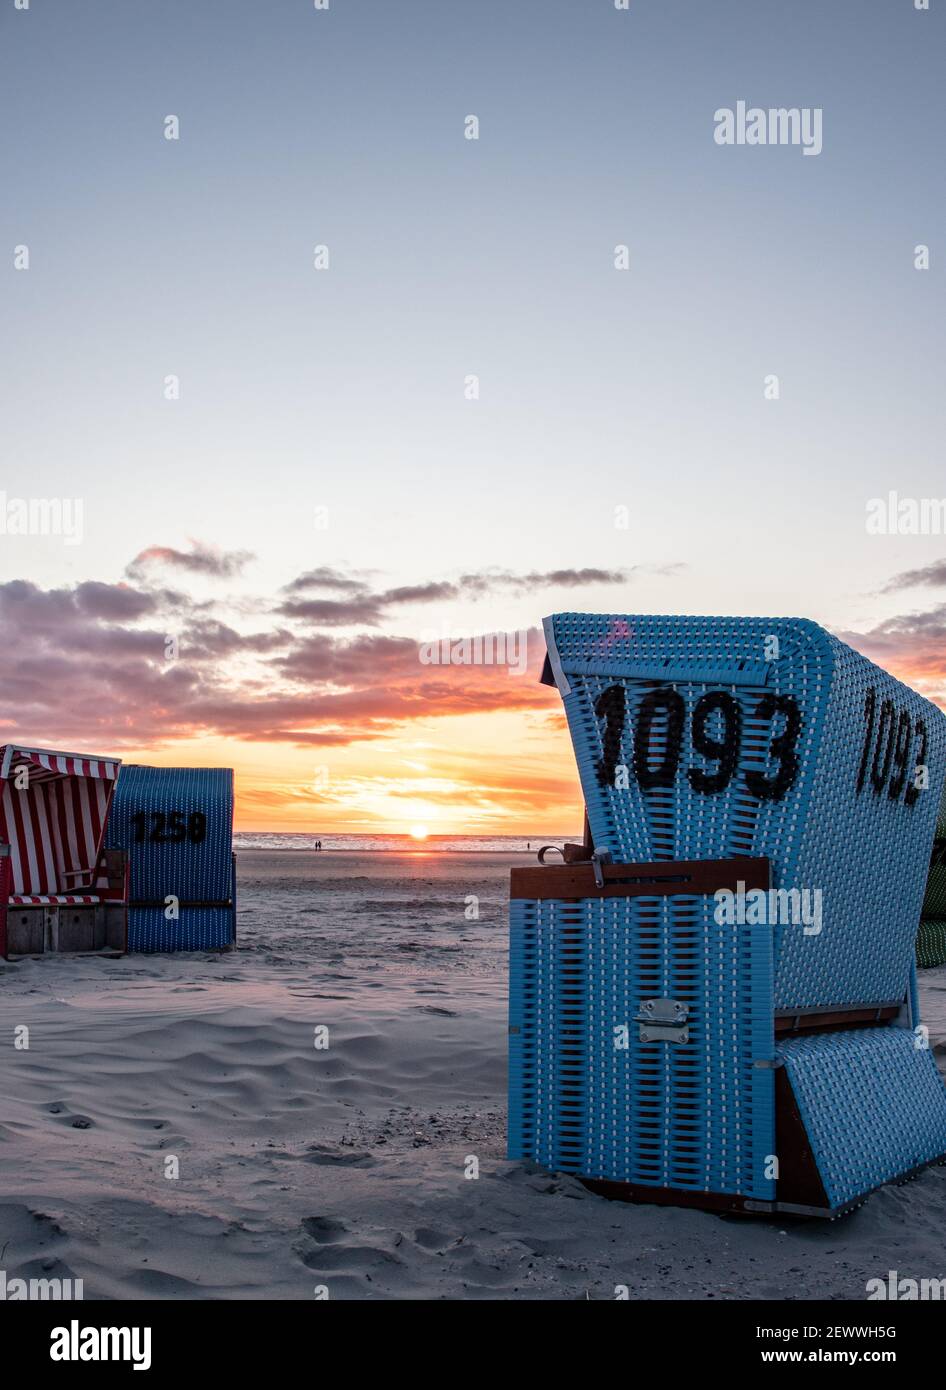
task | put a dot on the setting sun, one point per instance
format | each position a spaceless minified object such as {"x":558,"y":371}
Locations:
{"x":418,"y":832}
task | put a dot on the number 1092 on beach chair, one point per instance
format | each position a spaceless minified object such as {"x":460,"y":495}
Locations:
{"x":713,"y":1001}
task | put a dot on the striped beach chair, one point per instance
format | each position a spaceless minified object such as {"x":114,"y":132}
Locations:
{"x":931,"y":937}
{"x":59,"y":890}
{"x":714,"y":1004}
{"x":176,"y":826}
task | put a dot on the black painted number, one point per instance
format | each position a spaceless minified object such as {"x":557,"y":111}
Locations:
{"x":666,"y":709}
{"x":169,"y":827}
{"x":610,"y":706}
{"x":724,"y":751}
{"x":783,"y":747}
{"x":716,"y":735}
{"x":888,"y":742}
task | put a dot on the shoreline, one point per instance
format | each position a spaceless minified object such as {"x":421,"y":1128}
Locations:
{"x":399,"y":849}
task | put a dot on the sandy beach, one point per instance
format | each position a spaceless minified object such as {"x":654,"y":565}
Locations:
{"x":343,"y":1168}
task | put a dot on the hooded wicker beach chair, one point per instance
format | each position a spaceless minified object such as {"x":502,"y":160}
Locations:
{"x":176,"y":826}
{"x":714,"y":1002}
{"x":59,"y":890}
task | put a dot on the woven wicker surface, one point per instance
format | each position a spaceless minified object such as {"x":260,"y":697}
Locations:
{"x":873,"y":1105}
{"x":177,"y":826}
{"x":695,"y":1116}
{"x":931,"y":943}
{"x":814,"y":755}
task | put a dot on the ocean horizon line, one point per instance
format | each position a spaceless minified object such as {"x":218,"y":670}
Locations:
{"x":395,"y":842}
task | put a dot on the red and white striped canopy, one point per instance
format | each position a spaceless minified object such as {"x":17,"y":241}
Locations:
{"x":43,"y":763}
{"x":53,"y":808}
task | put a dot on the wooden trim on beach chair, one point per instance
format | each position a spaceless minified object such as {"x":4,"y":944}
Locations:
{"x":98,"y":925}
{"x":583,"y":853}
{"x":6,"y":887}
{"x":830,"y":1020}
{"x":114,"y":865}
{"x":655,"y":879}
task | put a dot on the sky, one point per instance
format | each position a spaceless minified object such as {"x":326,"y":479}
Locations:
{"x":330,"y":486}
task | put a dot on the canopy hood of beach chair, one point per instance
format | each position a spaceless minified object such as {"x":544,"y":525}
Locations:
{"x":44,"y":763}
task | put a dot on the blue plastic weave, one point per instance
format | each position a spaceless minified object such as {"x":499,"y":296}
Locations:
{"x":154,"y":802}
{"x":698,"y":1116}
{"x":873,"y":1105}
{"x":196,"y":929}
{"x":867,"y":851}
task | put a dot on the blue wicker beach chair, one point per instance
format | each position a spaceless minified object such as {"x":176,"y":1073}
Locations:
{"x":176,"y":824}
{"x":714,"y":1003}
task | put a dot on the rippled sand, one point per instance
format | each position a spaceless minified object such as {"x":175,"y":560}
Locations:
{"x":343,"y":1168}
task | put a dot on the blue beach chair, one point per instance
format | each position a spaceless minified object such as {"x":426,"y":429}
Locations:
{"x":176,"y":825}
{"x":714,"y":1003}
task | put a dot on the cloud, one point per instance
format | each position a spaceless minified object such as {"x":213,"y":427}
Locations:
{"x":360,"y":607}
{"x":363,"y":607}
{"x":23,"y":602}
{"x":537,"y":579}
{"x":327,"y":578}
{"x":92,"y":670}
{"x":933,"y":576}
{"x":329,"y":612}
{"x":912,"y":646}
{"x":201,"y":559}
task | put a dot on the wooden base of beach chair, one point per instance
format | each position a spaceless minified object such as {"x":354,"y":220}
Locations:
{"x":93,"y":928}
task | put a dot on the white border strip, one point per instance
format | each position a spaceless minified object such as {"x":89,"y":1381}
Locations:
{"x":555,"y":661}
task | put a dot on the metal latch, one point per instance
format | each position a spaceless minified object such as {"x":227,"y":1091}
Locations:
{"x":598,"y":861}
{"x":663,"y":1020}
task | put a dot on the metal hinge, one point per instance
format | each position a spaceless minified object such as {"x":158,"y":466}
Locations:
{"x":663,"y":1020}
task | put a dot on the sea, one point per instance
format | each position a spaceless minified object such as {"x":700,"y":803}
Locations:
{"x":401,"y":844}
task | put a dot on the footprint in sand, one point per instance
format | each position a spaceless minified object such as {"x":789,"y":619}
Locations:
{"x":430,"y":1239}
{"x":349,"y":1259}
{"x":330,"y":1247}
{"x":59,"y":1107}
{"x":338,"y":1158}
{"x":324,"y":1230}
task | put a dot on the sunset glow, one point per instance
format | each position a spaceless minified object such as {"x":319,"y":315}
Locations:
{"x":333,"y":725}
